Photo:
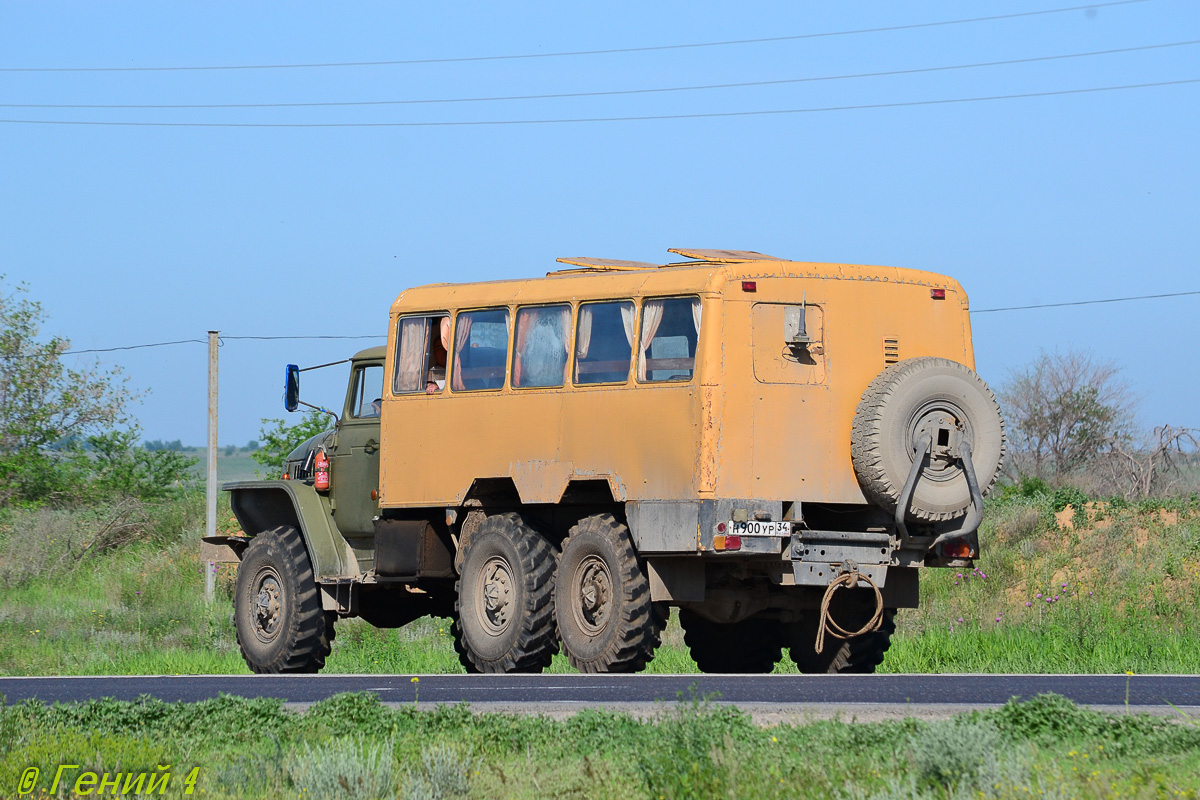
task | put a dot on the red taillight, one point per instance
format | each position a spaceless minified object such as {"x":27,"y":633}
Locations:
{"x":720,"y":527}
{"x":937,"y":294}
{"x":959,"y":548}
{"x":749,"y":286}
{"x":733,"y":543}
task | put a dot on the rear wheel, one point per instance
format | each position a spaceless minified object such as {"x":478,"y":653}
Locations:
{"x":860,"y":655}
{"x":504,"y":614}
{"x":752,"y":646}
{"x":602,"y":600}
{"x":277,"y":607}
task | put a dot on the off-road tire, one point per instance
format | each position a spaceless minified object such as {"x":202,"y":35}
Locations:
{"x":289,"y":632}
{"x":515,"y":632}
{"x":749,"y":647}
{"x":857,"y":656}
{"x":606,"y":621}
{"x":885,"y":431}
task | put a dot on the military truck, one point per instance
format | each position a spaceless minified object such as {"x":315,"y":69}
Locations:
{"x":774,"y":448}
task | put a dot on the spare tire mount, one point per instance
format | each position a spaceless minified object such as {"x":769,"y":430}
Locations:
{"x":974,"y":513}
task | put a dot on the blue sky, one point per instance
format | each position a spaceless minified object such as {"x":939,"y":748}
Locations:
{"x":131,"y":235}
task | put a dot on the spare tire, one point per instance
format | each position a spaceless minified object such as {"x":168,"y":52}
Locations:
{"x":914,"y":398}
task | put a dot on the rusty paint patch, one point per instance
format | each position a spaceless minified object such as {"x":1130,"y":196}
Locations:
{"x":710,"y":438}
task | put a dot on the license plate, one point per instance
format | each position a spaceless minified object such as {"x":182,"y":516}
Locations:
{"x":759,"y":528}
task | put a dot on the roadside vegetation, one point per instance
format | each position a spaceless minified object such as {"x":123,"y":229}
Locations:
{"x":352,"y":746}
{"x":118,"y":588}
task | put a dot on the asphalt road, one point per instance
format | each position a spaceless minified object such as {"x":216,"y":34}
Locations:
{"x":571,"y":690}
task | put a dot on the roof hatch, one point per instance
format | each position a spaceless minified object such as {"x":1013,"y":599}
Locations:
{"x":723,"y":256}
{"x":606,"y":263}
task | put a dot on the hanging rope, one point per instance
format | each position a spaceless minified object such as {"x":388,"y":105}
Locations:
{"x":849,"y":579}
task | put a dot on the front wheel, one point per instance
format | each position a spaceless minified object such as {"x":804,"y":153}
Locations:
{"x":504,"y":614}
{"x":602,"y":600}
{"x":277,"y":607}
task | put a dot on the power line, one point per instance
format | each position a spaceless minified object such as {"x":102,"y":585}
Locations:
{"x":640,"y":118}
{"x":281,"y":338}
{"x":188,"y":341}
{"x":609,"y":93}
{"x":130,"y":347}
{"x":571,"y":53}
{"x":1085,"y":302}
{"x":382,"y":336}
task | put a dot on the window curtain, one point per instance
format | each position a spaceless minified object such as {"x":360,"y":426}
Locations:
{"x":462,"y":333}
{"x":563,"y":330}
{"x":412,"y":355}
{"x":583,"y":337}
{"x":696,"y":309}
{"x":444,"y":333}
{"x":652,"y":314}
{"x":627,"y":319}
{"x":527,"y":320}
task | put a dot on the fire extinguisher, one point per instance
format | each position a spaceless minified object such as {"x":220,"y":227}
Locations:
{"x":321,"y":472}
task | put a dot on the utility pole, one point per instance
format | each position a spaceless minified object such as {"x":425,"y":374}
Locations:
{"x":210,"y":521}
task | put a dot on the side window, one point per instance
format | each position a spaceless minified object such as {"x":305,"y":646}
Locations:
{"x":480,"y":349}
{"x":670,"y":330}
{"x":421,"y":354}
{"x":368,"y":392}
{"x":604,"y":342}
{"x":540,"y":348}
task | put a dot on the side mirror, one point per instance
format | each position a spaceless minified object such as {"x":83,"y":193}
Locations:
{"x":291,"y":387}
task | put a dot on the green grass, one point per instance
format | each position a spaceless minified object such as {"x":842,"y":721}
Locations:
{"x":353,"y":746}
{"x":240,"y":466}
{"x":78,"y":601}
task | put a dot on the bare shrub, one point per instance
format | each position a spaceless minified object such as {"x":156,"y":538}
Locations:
{"x":1065,"y":410}
{"x":44,"y":542}
{"x":1155,"y":467}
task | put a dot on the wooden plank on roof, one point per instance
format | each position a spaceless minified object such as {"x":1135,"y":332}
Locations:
{"x":606,"y":263}
{"x":723,"y":256}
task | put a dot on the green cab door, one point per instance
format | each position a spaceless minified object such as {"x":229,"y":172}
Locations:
{"x":354,"y":461}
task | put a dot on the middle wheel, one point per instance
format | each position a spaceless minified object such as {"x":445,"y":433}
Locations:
{"x":602,"y":599}
{"x":504,"y":614}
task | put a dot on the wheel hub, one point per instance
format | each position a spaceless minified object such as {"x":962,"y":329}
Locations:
{"x":593,"y":595}
{"x":945,"y":428}
{"x":496,"y":599}
{"x":267,"y":610}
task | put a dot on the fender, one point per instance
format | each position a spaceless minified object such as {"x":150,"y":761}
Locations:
{"x":263,"y":505}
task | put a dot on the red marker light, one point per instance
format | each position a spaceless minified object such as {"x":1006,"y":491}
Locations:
{"x":749,"y":286}
{"x":720,"y":527}
{"x":959,"y":548}
{"x":937,"y":294}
